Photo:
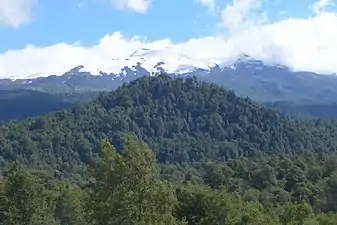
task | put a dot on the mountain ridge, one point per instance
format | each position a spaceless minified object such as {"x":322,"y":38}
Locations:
{"x":158,"y":66}
{"x":261,"y":81}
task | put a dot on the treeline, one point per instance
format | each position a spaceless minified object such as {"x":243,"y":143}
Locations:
{"x":125,"y":188}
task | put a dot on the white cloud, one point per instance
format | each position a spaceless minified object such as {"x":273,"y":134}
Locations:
{"x":210,"y":4}
{"x":241,"y":14}
{"x":139,"y":6}
{"x":320,"y":5}
{"x":300,"y":43}
{"x":14,"y":13}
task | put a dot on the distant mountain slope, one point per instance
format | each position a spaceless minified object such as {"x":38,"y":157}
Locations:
{"x":319,"y":110}
{"x":246,"y":76}
{"x":184,"y":121}
{"x":21,"y":104}
{"x":275,"y":83}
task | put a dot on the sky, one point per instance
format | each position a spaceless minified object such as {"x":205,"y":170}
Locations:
{"x":42,"y":37}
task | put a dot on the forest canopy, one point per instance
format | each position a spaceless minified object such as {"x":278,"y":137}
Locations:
{"x":125,"y":188}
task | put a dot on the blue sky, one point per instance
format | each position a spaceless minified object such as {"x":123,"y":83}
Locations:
{"x":88,"y":20}
{"x":66,"y":21}
{"x":51,"y":36}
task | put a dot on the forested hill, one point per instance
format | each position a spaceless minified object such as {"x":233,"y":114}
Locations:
{"x":182,"y":120}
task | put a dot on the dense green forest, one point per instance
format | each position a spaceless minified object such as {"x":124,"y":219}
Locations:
{"x":125,"y":188}
{"x":221,"y":160}
{"x":183,"y":121}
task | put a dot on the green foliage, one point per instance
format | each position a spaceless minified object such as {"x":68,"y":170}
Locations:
{"x":23,"y":201}
{"x":69,"y":206}
{"x":127,"y":188}
{"x":296,"y":214}
{"x":203,"y":206}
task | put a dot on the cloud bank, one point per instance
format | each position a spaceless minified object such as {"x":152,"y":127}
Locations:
{"x":301,"y":43}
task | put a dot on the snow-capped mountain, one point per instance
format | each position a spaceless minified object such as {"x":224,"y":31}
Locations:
{"x":142,"y":62}
{"x":245,"y":75}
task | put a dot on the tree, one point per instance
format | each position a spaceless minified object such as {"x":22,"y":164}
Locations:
{"x":69,"y":206}
{"x":296,"y":214}
{"x":127,"y":188}
{"x":201,"y":205}
{"x":23,"y":201}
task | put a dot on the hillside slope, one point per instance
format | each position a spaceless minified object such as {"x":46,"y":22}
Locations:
{"x":184,"y":121}
{"x":318,"y":110}
{"x":20,"y":104}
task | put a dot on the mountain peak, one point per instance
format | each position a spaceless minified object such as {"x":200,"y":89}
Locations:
{"x":74,"y":71}
{"x":248,"y":61}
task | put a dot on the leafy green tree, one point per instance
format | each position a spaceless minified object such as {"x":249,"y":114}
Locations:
{"x":326,"y":219}
{"x":69,"y":206}
{"x":127,"y":189}
{"x":296,"y":214}
{"x":201,"y":205}
{"x":23,"y":201}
